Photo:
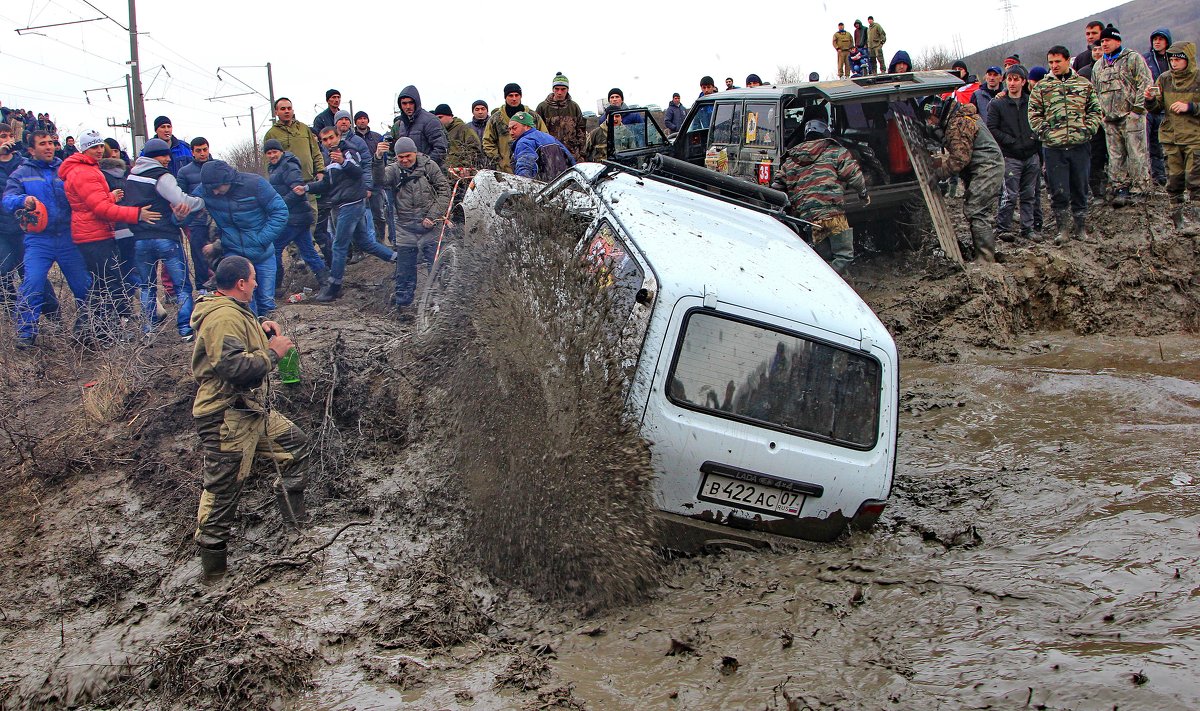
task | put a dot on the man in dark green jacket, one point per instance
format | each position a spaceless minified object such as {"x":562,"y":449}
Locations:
{"x":232,"y":363}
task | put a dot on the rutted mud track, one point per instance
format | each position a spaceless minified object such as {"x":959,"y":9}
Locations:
{"x":1041,"y":545}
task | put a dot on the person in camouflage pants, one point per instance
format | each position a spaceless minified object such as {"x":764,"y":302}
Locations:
{"x":973,"y":155}
{"x":232,"y":363}
{"x":1121,"y":78}
{"x":814,"y":174}
{"x":1064,"y":113}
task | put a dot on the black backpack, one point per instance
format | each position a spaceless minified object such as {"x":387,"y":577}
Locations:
{"x":552,"y":161}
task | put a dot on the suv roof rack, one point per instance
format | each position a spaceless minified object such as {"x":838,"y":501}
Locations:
{"x":726,"y":188}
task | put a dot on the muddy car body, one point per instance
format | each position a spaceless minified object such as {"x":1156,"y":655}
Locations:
{"x":766,"y":387}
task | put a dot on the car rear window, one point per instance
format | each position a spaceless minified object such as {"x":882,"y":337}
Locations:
{"x":751,"y":372}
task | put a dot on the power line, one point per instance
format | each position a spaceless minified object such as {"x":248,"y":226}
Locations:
{"x":50,"y":66}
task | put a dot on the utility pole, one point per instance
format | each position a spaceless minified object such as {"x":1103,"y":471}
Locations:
{"x":135,"y":72}
{"x":271,"y":87}
{"x":253,"y":131}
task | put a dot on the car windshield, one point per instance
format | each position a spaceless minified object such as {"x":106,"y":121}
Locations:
{"x":750,"y":372}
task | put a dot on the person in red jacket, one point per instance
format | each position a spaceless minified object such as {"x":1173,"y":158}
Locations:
{"x":94,"y":216}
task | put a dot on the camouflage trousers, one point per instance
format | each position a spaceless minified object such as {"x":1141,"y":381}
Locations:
{"x":231,"y":440}
{"x":981,"y":201}
{"x":1128,"y":153}
{"x":1183,"y":171}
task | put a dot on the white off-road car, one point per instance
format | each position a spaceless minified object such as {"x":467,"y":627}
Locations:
{"x":767,"y":388}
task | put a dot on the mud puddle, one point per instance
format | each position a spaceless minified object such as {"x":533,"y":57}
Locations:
{"x":1040,"y":548}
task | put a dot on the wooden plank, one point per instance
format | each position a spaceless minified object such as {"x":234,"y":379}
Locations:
{"x":911,"y":132}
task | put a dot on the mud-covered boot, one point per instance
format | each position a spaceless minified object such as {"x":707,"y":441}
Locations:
{"x":1081,"y":232}
{"x":212,"y":561}
{"x":1063,"y":222}
{"x":329,"y":292}
{"x":322,"y":277}
{"x":985,"y":246}
{"x":291,"y":508}
{"x":1177,"y":220}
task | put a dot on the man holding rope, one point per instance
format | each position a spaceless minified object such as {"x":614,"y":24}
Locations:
{"x":420,"y":198}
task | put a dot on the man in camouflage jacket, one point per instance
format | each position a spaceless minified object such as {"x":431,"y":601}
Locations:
{"x":876,"y":38}
{"x":973,"y":155}
{"x":564,"y":118}
{"x":1121,"y":78}
{"x":814,"y":174}
{"x":1064,"y":113}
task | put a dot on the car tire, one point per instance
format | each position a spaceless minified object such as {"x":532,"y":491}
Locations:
{"x":438,"y":291}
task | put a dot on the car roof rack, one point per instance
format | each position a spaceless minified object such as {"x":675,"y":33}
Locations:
{"x":726,"y":188}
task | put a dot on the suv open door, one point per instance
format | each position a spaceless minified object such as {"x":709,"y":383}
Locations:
{"x":635,"y":138}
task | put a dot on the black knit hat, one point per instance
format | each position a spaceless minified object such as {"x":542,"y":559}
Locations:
{"x":361,"y":114}
{"x":332,"y":93}
{"x":160,"y":121}
{"x":512,"y":88}
{"x":272,"y":144}
{"x":1110,"y":32}
{"x":616,"y":91}
{"x":443,"y":110}
{"x":478,"y":102}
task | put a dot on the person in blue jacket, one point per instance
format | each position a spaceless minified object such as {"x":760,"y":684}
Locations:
{"x":285,"y":175}
{"x":530,"y":143}
{"x":12,"y":238}
{"x":181,"y":153}
{"x":1158,"y":62}
{"x":36,"y":181}
{"x":250,"y":216}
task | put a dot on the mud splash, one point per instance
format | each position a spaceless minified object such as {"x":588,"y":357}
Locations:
{"x":557,"y":477}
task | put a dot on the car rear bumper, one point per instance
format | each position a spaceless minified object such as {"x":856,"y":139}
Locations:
{"x":692,"y":533}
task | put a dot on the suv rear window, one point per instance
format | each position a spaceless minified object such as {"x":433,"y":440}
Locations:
{"x":750,"y":372}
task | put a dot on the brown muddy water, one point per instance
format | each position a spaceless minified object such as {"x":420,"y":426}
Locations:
{"x":1040,"y":550}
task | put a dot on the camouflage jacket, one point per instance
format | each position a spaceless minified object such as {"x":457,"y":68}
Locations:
{"x":566,"y":123}
{"x":1064,"y":111}
{"x":1179,"y":129}
{"x":1122,"y":84}
{"x":465,"y":151}
{"x":971,"y":150}
{"x":814,"y":175}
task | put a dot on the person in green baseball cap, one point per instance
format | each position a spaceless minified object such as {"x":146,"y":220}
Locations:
{"x":536,"y":154}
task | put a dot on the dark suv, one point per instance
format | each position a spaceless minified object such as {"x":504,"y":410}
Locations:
{"x":872,"y":116}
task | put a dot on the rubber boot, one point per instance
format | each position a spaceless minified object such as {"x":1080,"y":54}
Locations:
{"x":322,"y":277}
{"x":291,"y":508}
{"x":1177,"y":217}
{"x":985,"y":249}
{"x":1062,"y":221}
{"x":1081,"y":233}
{"x":329,"y":292}
{"x":212,"y":561}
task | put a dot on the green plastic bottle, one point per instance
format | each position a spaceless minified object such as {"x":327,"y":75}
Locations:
{"x":289,"y":367}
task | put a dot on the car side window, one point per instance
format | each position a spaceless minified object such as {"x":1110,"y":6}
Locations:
{"x":761,"y":125}
{"x":727,"y":124}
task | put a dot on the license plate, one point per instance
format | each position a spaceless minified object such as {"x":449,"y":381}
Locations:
{"x":754,"y":496}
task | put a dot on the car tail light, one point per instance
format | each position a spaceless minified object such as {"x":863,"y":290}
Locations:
{"x":868,"y":514}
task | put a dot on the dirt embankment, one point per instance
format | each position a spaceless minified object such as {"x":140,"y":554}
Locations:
{"x":435,"y":466}
{"x":1136,"y":276}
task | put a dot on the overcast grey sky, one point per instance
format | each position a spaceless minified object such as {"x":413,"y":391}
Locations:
{"x":452,"y":52}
